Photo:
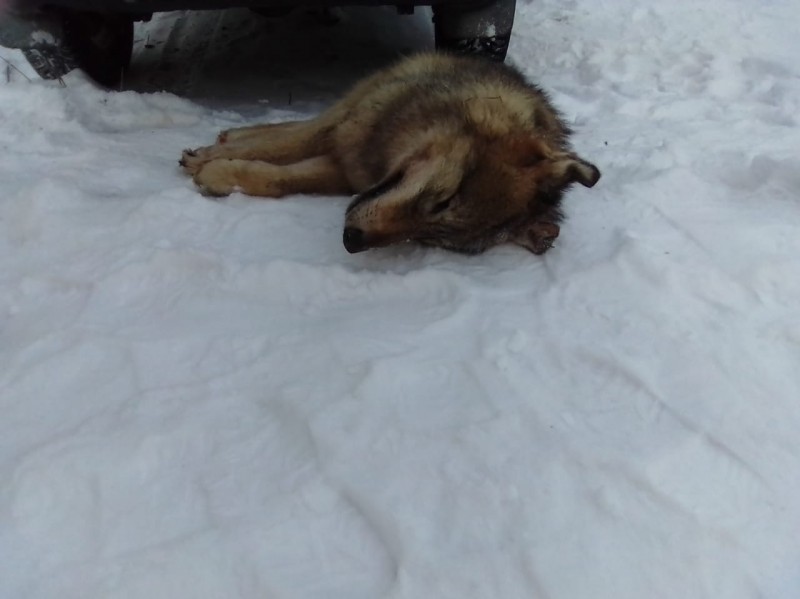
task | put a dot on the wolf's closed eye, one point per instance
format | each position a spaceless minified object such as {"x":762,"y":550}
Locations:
{"x":440,"y":207}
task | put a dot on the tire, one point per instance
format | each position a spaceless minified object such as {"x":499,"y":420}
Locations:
{"x":484,"y":31}
{"x":50,"y":60}
{"x":98,"y":44}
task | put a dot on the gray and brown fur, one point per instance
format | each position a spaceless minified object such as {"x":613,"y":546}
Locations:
{"x":454,"y":152}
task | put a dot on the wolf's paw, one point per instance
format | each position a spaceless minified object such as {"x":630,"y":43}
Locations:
{"x":538,"y":237}
{"x":216,"y":178}
{"x":542,"y":236}
{"x":192,"y":160}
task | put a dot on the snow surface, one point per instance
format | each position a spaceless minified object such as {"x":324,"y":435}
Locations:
{"x":209,"y":399}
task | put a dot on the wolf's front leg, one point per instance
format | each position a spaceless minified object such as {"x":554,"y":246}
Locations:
{"x":320,"y":175}
{"x":280,"y":143}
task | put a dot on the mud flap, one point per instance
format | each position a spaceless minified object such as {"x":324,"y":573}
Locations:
{"x":41,"y":39}
{"x":56,"y":42}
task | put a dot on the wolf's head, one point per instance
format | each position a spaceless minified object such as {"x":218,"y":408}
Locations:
{"x":467,"y":194}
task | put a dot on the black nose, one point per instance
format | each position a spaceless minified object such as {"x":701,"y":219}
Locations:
{"x":353,"y":239}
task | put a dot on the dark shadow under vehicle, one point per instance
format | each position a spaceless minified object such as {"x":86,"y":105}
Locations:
{"x":96,"y":36}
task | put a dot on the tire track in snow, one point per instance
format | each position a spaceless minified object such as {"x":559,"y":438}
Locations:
{"x":637,"y":382}
{"x":380,"y":574}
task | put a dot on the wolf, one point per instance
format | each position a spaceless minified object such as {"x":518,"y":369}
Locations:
{"x":448,"y":151}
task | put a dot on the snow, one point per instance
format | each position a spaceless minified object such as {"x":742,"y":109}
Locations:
{"x":213,"y":399}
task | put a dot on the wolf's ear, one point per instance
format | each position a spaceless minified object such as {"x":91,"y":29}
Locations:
{"x":522,"y":151}
{"x":578,"y":170}
{"x":388,"y":183}
{"x":402,"y":186}
{"x":530,"y":152}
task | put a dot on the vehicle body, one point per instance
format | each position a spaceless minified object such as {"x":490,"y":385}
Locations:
{"x":97,"y":35}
